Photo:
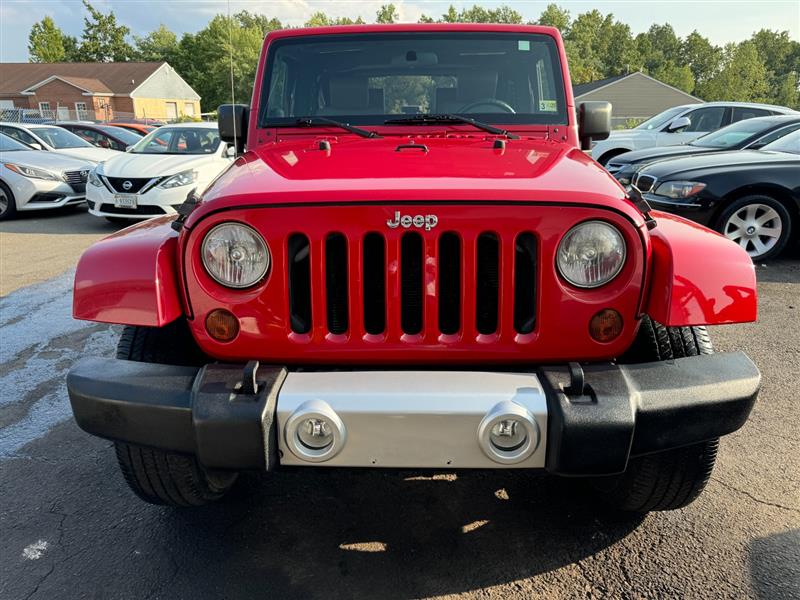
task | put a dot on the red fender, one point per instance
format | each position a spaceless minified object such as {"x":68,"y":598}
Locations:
{"x":698,"y":277}
{"x":130,"y":277}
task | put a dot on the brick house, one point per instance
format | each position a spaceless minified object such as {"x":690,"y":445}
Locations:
{"x":99,"y":91}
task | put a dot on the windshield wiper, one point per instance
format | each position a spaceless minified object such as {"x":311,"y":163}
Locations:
{"x":429,"y":119}
{"x":311,"y":121}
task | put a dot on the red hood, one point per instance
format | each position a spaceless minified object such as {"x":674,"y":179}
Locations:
{"x":464,"y":167}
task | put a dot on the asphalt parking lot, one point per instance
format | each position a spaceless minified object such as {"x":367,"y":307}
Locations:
{"x":70,"y":528}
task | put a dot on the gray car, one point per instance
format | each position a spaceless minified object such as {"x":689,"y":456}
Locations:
{"x":36,"y":180}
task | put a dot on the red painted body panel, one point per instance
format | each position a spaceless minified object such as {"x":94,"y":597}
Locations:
{"x":130,"y":277}
{"x":698,"y":276}
{"x":563,"y":312}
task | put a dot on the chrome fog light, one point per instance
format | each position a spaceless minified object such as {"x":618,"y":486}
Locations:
{"x":314,"y":432}
{"x":508,"y":433}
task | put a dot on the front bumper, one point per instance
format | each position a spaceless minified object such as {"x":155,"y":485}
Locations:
{"x":586,"y":421}
{"x":154,"y":202}
{"x":43,"y":194}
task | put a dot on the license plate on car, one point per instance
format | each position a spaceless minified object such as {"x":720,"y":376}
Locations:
{"x":125,"y":200}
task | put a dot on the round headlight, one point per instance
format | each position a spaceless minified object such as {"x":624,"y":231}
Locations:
{"x":235,"y":255}
{"x":591,"y":254}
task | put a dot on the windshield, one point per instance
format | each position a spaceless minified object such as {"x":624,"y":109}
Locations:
{"x":788,"y":143}
{"x":661,"y":118}
{"x":8,"y":144}
{"x":733,"y":134}
{"x":59,"y":138}
{"x":367,"y":79}
{"x":126,"y":137}
{"x":179,"y":140}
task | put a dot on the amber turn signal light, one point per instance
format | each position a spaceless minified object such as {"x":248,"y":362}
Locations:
{"x":222,"y":325}
{"x":606,"y":325}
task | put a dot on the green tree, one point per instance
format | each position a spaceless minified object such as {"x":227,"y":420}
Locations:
{"x":478,"y":14}
{"x":160,"y":44}
{"x":46,"y":42}
{"x":103,"y":39}
{"x":426,"y":19}
{"x":320,"y":19}
{"x":555,"y":16}
{"x":261,"y":22}
{"x":702,"y":57}
{"x":71,"y":48}
{"x":781,"y":57}
{"x":742,"y":78}
{"x":387,"y":13}
{"x":205,"y":59}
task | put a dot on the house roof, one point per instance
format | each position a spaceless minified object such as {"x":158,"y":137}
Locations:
{"x":93,"y":78}
{"x":585,"y":88}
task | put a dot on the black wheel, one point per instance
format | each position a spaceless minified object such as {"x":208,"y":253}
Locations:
{"x":760,"y":224}
{"x":674,"y":478}
{"x":158,"y":476}
{"x":8,"y":205}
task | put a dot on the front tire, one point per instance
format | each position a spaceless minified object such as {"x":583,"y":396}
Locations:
{"x":8,"y":205}
{"x":674,"y":478}
{"x":760,"y":224}
{"x":158,"y":476}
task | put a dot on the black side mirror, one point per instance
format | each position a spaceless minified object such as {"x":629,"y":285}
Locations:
{"x":594,"y":122}
{"x":232,"y":122}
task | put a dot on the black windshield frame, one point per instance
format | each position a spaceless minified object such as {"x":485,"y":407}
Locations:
{"x":558,"y":117}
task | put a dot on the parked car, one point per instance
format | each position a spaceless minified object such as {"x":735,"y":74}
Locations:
{"x":157,"y":172}
{"x":413,"y":265}
{"x":750,"y":134}
{"x":55,"y":139}
{"x":752,"y":197}
{"x":103,"y":136}
{"x":681,"y":125}
{"x":139,"y":128}
{"x":34,"y":180}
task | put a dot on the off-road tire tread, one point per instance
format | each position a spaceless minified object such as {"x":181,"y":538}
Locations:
{"x":157,"y":476}
{"x":672,"y":479}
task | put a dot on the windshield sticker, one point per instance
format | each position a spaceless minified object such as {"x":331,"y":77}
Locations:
{"x":524,"y":45}
{"x":548,"y":106}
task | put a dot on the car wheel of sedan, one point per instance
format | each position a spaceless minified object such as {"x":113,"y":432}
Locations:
{"x":8,"y":206}
{"x":759,"y":224}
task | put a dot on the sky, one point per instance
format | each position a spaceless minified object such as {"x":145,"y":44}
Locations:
{"x":721,"y":21}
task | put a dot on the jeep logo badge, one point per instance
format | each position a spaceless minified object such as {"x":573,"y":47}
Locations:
{"x":126,"y":185}
{"x":418,"y":221}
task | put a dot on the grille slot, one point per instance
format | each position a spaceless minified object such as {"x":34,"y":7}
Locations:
{"x":137,"y":183}
{"x":449,"y":283}
{"x":374,"y":283}
{"x":411,"y":283}
{"x":525,"y":283}
{"x":487,"y":283}
{"x":299,"y":261}
{"x":336,"y":282}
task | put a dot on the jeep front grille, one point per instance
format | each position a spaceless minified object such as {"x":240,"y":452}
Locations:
{"x":470,"y":277}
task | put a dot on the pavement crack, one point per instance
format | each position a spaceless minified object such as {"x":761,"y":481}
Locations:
{"x":754,"y":498}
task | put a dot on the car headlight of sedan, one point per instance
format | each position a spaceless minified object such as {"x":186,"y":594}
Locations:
{"x":679,"y":189}
{"x":591,"y":254}
{"x":94,"y":178}
{"x":235,"y":255}
{"x":32,"y":172}
{"x":182,"y":178}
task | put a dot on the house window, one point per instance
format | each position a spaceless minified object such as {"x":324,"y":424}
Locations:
{"x":188,"y":108}
{"x":172,"y":110}
{"x":80,"y":110}
{"x":6,"y":104}
{"x":44,"y":106}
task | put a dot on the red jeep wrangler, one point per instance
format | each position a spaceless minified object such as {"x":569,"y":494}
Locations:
{"x":413,"y":264}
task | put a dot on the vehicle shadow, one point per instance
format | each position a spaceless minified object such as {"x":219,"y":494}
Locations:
{"x":70,"y":220}
{"x":349,"y":533}
{"x":774,"y":565}
{"x":784,"y":269}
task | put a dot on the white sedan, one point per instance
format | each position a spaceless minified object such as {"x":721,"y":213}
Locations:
{"x":35,"y":180}
{"x":157,"y":173}
{"x":56,"y":139}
